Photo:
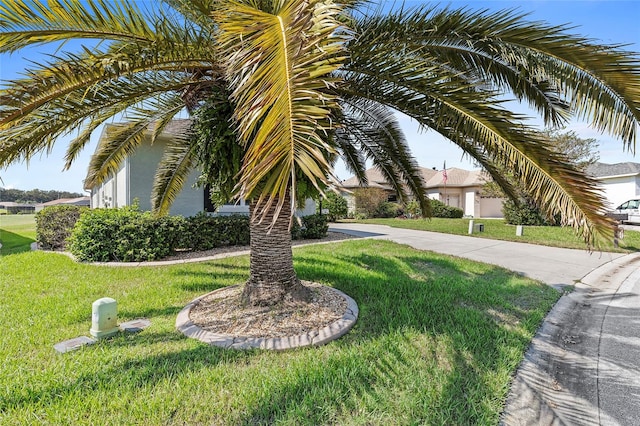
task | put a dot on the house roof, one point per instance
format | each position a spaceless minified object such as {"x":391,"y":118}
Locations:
{"x":457,"y":177}
{"x":375,"y":179}
{"x":176,"y":126}
{"x":75,"y":201}
{"x":603,"y":170}
{"x":432,"y":178}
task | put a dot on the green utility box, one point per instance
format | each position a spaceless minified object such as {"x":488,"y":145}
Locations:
{"x":104,"y":318}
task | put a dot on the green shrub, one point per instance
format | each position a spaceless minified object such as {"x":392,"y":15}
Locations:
{"x":336,"y":205}
{"x":388,"y":209}
{"x":128,"y":235}
{"x":124,"y":234}
{"x":440,"y":209}
{"x":54,"y":225}
{"x":412,"y":210}
{"x":367,"y":200}
{"x":314,"y":226}
{"x":296,"y":229}
{"x":204,"y":232}
{"x":527,"y":213}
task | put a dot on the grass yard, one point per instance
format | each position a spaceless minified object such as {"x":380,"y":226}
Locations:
{"x":498,"y":230}
{"x":437,"y":342}
{"x":17,"y":232}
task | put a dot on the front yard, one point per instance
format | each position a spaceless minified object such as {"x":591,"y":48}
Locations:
{"x":437,"y":341}
{"x":497,"y":229}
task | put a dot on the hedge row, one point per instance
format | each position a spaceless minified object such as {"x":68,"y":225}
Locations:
{"x":128,"y":235}
{"x":124,"y":235}
{"x":440,"y":209}
{"x":54,"y":225}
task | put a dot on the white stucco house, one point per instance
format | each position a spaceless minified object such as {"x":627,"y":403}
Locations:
{"x":462,"y":189}
{"x":134,"y":180}
{"x":620,"y":181}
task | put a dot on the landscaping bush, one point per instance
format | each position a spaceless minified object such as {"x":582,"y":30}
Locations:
{"x":128,"y":235}
{"x":388,"y":209}
{"x":368,"y":200}
{"x":526,"y":213}
{"x":440,"y":209}
{"x":54,"y":225}
{"x":296,"y":229}
{"x":336,"y":205}
{"x":314,"y":226}
{"x":412,"y":210}
{"x":204,"y":232}
{"x":124,"y":234}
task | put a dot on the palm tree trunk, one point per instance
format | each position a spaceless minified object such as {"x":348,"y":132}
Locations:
{"x":272,"y":278}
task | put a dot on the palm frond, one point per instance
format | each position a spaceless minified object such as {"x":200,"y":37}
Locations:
{"x":121,"y":140}
{"x":279,"y":63}
{"x":86,"y":73}
{"x":25,"y":22}
{"x":27,"y":135}
{"x":351,"y":153}
{"x":556,"y":72}
{"x":177,"y":162}
{"x":118,"y":142}
{"x":383,"y":141}
{"x":198,"y":11}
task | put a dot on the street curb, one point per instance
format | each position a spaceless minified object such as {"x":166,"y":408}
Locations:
{"x":557,"y":380}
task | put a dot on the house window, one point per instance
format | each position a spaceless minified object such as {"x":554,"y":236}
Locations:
{"x":392,"y":198}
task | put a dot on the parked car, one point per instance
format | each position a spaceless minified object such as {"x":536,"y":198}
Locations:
{"x":629,"y":211}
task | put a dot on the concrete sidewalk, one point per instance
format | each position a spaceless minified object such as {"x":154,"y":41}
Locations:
{"x":583,"y":365}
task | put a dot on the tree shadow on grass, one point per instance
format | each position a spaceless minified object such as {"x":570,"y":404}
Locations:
{"x":149,"y":312}
{"x":208,"y":278}
{"x":131,"y":374}
{"x":369,"y":374}
{"x":14,"y":243}
{"x":456,"y":307}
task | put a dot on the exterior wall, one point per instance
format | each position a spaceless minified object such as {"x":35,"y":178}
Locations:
{"x":142,"y":169}
{"x":466,"y":198}
{"x":121,"y":186}
{"x":134,"y":180}
{"x":308,"y":209}
{"x":617,"y":190}
{"x":236,"y":208}
{"x":452,"y":197}
{"x":491,"y":207}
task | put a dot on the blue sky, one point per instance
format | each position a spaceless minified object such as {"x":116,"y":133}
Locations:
{"x":607,"y":21}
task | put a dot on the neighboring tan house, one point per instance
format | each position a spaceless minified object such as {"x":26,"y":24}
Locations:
{"x":620,"y":181}
{"x":463,"y":189}
{"x":80,"y":201}
{"x":134,"y":181}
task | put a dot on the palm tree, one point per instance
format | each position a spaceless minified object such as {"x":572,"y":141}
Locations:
{"x":304,"y":81}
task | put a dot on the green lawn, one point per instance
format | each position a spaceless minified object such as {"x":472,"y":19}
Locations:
{"x":496,"y":229}
{"x":437,"y":342}
{"x":17,"y":232}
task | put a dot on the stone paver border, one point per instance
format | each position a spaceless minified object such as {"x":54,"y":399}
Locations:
{"x":319,"y":337}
